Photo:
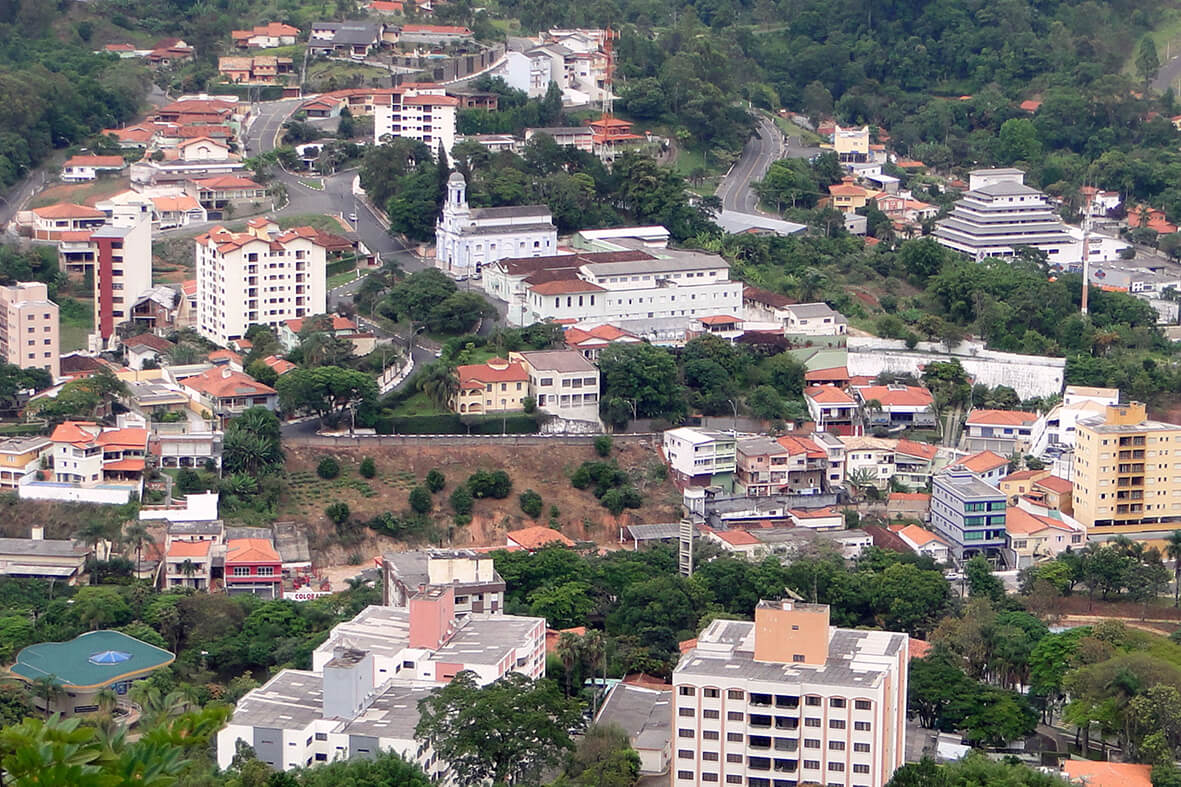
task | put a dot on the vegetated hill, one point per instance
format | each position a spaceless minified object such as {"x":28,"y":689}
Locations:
{"x":545,"y":469}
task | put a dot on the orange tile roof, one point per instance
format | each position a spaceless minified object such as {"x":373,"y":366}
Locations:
{"x":189,"y":548}
{"x":915,"y":496}
{"x":101,"y":162}
{"x":719,"y":319}
{"x":846,"y":190}
{"x":281,"y":365}
{"x":981,"y":462}
{"x":537,"y":536}
{"x":736,"y":538}
{"x":915,"y":448}
{"x":226,"y":183}
{"x":1055,"y":484}
{"x":1022,"y":475}
{"x":1108,"y":774}
{"x":1021,"y":522}
{"x":73,"y":432}
{"x":814,"y":513}
{"x":68,"y":210}
{"x":486,"y":373}
{"x":125,"y":438}
{"x":606,"y":332}
{"x":221,"y":382}
{"x":189,"y":287}
{"x":919,"y":648}
{"x":126,"y":465}
{"x":1030,"y":105}
{"x":1001,"y":417}
{"x":919,"y":536}
{"x":828,"y":394}
{"x":897,"y":396}
{"x":801,"y":445}
{"x":430,"y":100}
{"x":565,"y":286}
{"x":250,"y":550}
{"x":831,"y":373}
{"x":176,"y":204}
{"x":224,"y":355}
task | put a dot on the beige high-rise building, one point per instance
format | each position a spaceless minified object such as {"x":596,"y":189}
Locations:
{"x":1127,"y":471}
{"x":789,"y":700}
{"x":29,"y":327}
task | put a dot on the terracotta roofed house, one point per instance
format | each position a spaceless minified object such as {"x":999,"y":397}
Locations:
{"x":253,"y":566}
{"x":80,"y":168}
{"x":986,"y":465}
{"x":496,"y":386}
{"x":833,"y":410}
{"x":901,"y":405}
{"x":1107,"y":774}
{"x":226,"y":392}
{"x":1003,"y":431}
{"x":924,"y":542}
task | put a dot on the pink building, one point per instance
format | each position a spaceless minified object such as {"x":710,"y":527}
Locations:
{"x":29,"y":335}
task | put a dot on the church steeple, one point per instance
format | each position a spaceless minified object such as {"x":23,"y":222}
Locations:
{"x":457,"y":193}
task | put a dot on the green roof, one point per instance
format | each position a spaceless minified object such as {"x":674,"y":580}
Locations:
{"x":820,"y":357}
{"x":91,"y":660}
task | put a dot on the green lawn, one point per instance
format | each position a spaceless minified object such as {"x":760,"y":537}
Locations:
{"x":317,"y":220}
{"x":1166,"y":36}
{"x":76,"y":322}
{"x":341,"y":278}
{"x":313,"y":183}
{"x":334,"y":74}
{"x":792,"y":130}
{"x":693,"y":162}
{"x":418,"y":404}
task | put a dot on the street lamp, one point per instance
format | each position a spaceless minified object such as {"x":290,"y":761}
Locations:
{"x":734,"y":423}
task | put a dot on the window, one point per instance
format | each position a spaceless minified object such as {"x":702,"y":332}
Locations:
{"x":861,"y":748}
{"x":709,"y":777}
{"x":836,"y":745}
{"x":836,"y":766}
{"x":321,"y":736}
{"x":733,"y":779}
{"x":709,"y":756}
{"x":684,"y":774}
{"x":734,"y":757}
{"x":734,"y":694}
{"x":813,"y":764}
{"x":860,"y":769}
{"x":798,"y":658}
{"x":734,"y":715}
{"x":734,"y":737}
{"x":813,"y":701}
{"x":811,"y":743}
{"x":710,"y":735}
{"x":836,"y":702}
{"x":241,"y":571}
{"x":687,"y":691}
{"x":712,"y":693}
{"x":710,"y":714}
{"x":836,"y":724}
{"x":685,"y":711}
{"x":811,"y":722}
{"x":683,"y":733}
{"x":685,"y":754}
{"x":861,"y":726}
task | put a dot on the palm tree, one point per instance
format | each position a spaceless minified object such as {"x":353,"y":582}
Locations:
{"x":439,"y":383}
{"x":568,"y":651}
{"x":93,"y":533}
{"x":157,"y":706}
{"x":188,"y":568}
{"x":48,"y":689}
{"x":1173,"y":550}
{"x":137,"y":534}
{"x":107,"y":700}
{"x":594,"y":650}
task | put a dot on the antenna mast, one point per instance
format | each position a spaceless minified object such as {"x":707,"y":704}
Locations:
{"x":609,"y":36}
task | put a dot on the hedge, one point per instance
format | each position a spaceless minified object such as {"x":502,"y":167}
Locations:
{"x":450,"y":423}
{"x":247,"y":92}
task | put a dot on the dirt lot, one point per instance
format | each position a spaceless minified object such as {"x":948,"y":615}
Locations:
{"x":545,"y":470}
{"x":81,"y":193}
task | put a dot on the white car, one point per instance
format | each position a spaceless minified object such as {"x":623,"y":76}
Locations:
{"x":353,"y":218}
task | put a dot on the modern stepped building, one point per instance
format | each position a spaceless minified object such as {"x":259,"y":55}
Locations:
{"x":999,"y":214}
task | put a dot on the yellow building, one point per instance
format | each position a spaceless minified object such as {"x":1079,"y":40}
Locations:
{"x":1123,"y":472}
{"x":497,"y":386}
{"x":20,"y":456}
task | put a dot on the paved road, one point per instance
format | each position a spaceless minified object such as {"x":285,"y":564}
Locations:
{"x":767,"y":145}
{"x":1167,"y":75}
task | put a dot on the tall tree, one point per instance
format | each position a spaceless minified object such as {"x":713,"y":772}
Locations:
{"x":500,"y":732}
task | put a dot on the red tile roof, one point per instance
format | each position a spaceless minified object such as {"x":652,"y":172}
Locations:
{"x":919,"y":536}
{"x":221,"y":382}
{"x":981,"y":462}
{"x":123,"y":438}
{"x":73,"y":432}
{"x":98,"y":162}
{"x":226,"y":182}
{"x":338,"y":324}
{"x":814,"y":513}
{"x":736,"y":538}
{"x":1001,"y":417}
{"x":1108,"y":774}
{"x":487,"y":373}
{"x":149,"y":340}
{"x":429,"y":100}
{"x":919,"y":648}
{"x":189,"y":548}
{"x":832,"y":373}
{"x":1022,"y":475}
{"x":828,"y":394}
{"x":915,"y":448}
{"x":281,"y":365}
{"x":915,"y":496}
{"x":801,"y":445}
{"x":1022,"y":522}
{"x":565,"y":286}
{"x":606,"y":332}
{"x":719,"y":319}
{"x":68,"y":210}
{"x":250,"y":550}
{"x":1030,"y":105}
{"x":125,"y":465}
{"x":897,"y":395}
{"x":1055,"y":484}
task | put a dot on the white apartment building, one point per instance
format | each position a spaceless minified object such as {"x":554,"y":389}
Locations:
{"x":261,"y":276}
{"x":424,"y":114}
{"x":1054,"y":432}
{"x":472,"y":575}
{"x":467,"y":239}
{"x":641,"y":292}
{"x":29,"y":324}
{"x":562,"y":382}
{"x":1000,"y":213}
{"x":696,"y":455}
{"x":361,"y":695}
{"x":789,"y":699}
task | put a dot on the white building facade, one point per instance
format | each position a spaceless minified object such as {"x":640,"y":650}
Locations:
{"x":467,"y":239}
{"x":261,"y":276}
{"x":426,"y":115}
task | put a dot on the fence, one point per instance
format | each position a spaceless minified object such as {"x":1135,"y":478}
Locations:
{"x":410,"y":441}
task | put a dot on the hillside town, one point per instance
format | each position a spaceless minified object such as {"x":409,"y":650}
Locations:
{"x":407,"y":392}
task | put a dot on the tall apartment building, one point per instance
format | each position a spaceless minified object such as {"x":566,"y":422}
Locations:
{"x":1125,"y":476}
{"x":969,"y":515}
{"x":122,"y":268}
{"x":790,"y":700}
{"x":361,"y":695}
{"x":261,"y":276}
{"x":29,"y":327}
{"x":1000,"y":213}
{"x":424,"y":114}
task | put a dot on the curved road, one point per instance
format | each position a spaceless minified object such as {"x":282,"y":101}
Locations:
{"x":767,"y":145}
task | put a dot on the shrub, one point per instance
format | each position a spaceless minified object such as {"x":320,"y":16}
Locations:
{"x":461,"y":501}
{"x":188,"y":481}
{"x":494,"y":483}
{"x":435,"y":480}
{"x":530,"y":503}
{"x":603,"y":445}
{"x":368,"y":467}
{"x":328,"y":468}
{"x":338,"y":513}
{"x":420,"y":499}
